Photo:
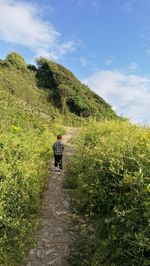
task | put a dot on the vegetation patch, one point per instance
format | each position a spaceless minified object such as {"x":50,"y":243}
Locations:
{"x":110,"y":176}
{"x":25,"y":150}
{"x":35,"y":102}
{"x":69,"y":94}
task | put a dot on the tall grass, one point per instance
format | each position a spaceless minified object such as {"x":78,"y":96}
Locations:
{"x":25,"y":150}
{"x":110,"y":174}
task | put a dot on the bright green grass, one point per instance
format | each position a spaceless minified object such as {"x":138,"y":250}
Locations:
{"x":110,"y":174}
{"x":26,"y":137}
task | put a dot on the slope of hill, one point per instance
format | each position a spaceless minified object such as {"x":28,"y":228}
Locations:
{"x":52,"y":88}
{"x":34,"y":102}
{"x":26,"y":137}
{"x":69,"y":94}
{"x":109,"y":172}
{"x":21,"y":83}
{"x":27,"y":131}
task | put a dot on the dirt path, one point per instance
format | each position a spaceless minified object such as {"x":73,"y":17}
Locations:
{"x":54,"y":236}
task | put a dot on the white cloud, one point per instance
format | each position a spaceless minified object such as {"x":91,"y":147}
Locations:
{"x":21,"y":23}
{"x":129,"y":95}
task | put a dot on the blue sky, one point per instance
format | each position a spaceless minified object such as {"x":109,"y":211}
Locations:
{"x":105,"y":43}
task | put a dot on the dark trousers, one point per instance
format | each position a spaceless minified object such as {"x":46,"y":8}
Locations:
{"x":58,"y":161}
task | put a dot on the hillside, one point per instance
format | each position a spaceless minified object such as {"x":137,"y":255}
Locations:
{"x":109,"y":174}
{"x":68,"y":93}
{"x":35,"y":103}
{"x":26,"y":137}
{"x":51,"y":88}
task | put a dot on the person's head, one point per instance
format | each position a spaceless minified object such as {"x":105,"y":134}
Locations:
{"x":59,"y":137}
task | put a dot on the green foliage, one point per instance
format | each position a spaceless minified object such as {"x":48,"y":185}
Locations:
{"x":32,"y":67}
{"x":26,"y":137}
{"x":110,"y":171}
{"x":16,"y":60}
{"x":54,"y":86}
{"x":29,"y":123}
{"x":24,"y":87}
{"x":31,"y":99}
{"x":69,"y":94}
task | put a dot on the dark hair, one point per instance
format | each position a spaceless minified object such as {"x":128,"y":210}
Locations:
{"x":59,"y":136}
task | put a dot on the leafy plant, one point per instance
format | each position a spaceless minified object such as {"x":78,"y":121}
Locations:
{"x":111,"y":171}
{"x":26,"y":137}
{"x":69,"y":94}
{"x":16,"y":60}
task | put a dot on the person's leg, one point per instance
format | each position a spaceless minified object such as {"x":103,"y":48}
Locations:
{"x":60,"y":162}
{"x":56,"y":160}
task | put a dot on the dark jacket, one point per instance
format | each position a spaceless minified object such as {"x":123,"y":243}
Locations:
{"x":58,"y":148}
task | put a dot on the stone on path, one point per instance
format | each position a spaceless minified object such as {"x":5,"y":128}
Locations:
{"x":50,"y":251}
{"x":66,"y":204}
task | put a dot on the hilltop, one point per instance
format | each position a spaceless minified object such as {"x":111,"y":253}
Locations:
{"x":51,"y":88}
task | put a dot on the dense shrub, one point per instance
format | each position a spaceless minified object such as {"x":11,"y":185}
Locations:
{"x":52,"y":86}
{"x":16,"y":60}
{"x":68,"y":93}
{"x":110,"y":171}
{"x":25,"y":149}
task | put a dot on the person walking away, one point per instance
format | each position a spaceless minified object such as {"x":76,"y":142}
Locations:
{"x":58,"y":148}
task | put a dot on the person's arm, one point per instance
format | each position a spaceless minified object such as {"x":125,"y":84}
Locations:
{"x":63,"y":147}
{"x":53,"y":147}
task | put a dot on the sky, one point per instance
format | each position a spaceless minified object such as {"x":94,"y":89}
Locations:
{"x":105,"y":43}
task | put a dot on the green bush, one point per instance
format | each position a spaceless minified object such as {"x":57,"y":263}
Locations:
{"x":69,"y":94}
{"x":26,"y":137}
{"x":110,"y":171}
{"x":16,"y":60}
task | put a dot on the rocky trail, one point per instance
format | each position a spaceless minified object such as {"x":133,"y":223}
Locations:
{"x":54,"y":234}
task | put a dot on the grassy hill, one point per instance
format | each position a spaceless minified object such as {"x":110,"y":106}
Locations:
{"x":111,"y":196}
{"x":26,"y":137}
{"x":35,"y":103}
{"x":69,"y":94}
{"x":22,"y":84}
{"x":51,"y":88}
{"x":27,"y":131}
